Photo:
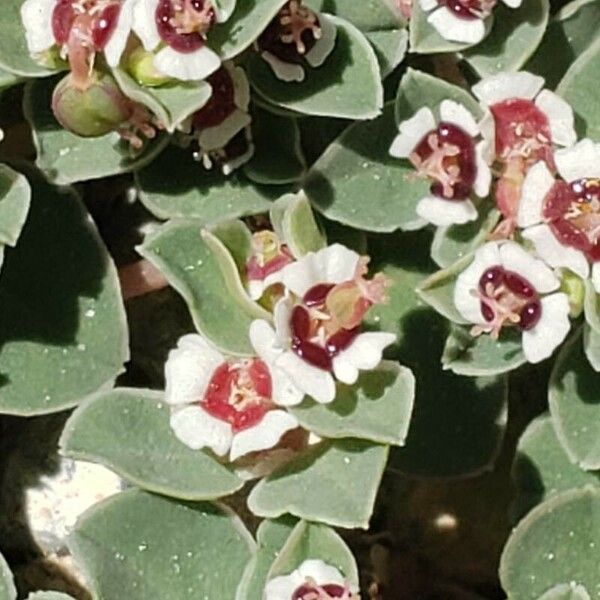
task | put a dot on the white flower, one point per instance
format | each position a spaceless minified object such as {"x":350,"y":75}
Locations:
{"x":310,"y":343}
{"x":464,"y":21}
{"x":182,"y":51}
{"x":314,"y":577}
{"x":225,"y":404}
{"x":297,"y":37}
{"x":562,"y":218}
{"x":449,"y":153}
{"x":506,"y":286}
{"x":114,"y":16}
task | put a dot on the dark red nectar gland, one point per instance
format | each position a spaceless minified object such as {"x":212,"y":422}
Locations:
{"x":183,"y":24}
{"x":324,"y":592}
{"x":469,"y":9}
{"x":311,"y":338}
{"x":239,"y":393}
{"x":507,"y":299}
{"x":221,"y":104}
{"x":572,"y":211}
{"x":447,"y":156}
{"x":292,"y":33}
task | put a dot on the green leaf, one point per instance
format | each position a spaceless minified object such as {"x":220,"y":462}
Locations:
{"x":390,"y":48}
{"x":591,"y":346}
{"x":515,"y":35}
{"x":67,"y":158}
{"x":368,"y":15}
{"x":346,"y":474}
{"x":580,"y":89}
{"x":418,"y":89}
{"x":15,"y":197}
{"x":450,"y":244}
{"x":14,"y":55}
{"x":542,"y":468}
{"x":128,"y":431}
{"x":277,"y":159}
{"x":424,"y":39}
{"x":192,"y":192}
{"x":566,"y":591}
{"x":237,"y":239}
{"x":438,"y":290}
{"x":270,"y":538}
{"x":63,"y":333}
{"x":7,"y":586}
{"x":171,"y":103}
{"x":357,"y":183}
{"x":139,"y":546}
{"x":248,"y":21}
{"x":294,"y":222}
{"x":574,"y":404}
{"x":458,"y":423}
{"x":377,"y":408}
{"x":347,"y":85}
{"x":180,"y":251}
{"x":231,"y":274}
{"x":558,"y":542}
{"x":475,"y":356}
{"x":569,"y":33}
{"x":591,"y":306}
{"x":314,"y":541}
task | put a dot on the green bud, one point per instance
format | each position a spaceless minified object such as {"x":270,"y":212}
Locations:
{"x":573,"y":286}
{"x":141,"y":66}
{"x":91,"y":112}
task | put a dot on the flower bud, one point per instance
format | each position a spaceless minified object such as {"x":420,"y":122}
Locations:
{"x":141,"y":66}
{"x":572,"y":285}
{"x":94,"y":111}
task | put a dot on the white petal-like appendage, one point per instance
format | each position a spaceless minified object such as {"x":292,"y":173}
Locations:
{"x":554,"y":253}
{"x":333,"y":264}
{"x":363,"y":354}
{"x":455,"y":29}
{"x":188,"y":66}
{"x":189,"y":368}
{"x":213,"y":138}
{"x":487,"y":126}
{"x":36,"y":16}
{"x":256,"y":288}
{"x":428,"y":5}
{"x":578,"y":161}
{"x":466,"y":302}
{"x":283,"y":587}
{"x":321,"y":572}
{"x":513,"y":3}
{"x":538,"y":182}
{"x":483,"y":179}
{"x":540,"y":342}
{"x":264,"y":341}
{"x":560,"y":117}
{"x":315,"y":382}
{"x":144,"y":23}
{"x":503,"y":86}
{"x":515,"y":258}
{"x":456,"y":113}
{"x":266,"y":434}
{"x":412,"y":131}
{"x":441,"y":213}
{"x":596,"y":277}
{"x":235,"y":163}
{"x":282,"y":315}
{"x":241,"y":87}
{"x":197,"y":429}
{"x":118,"y":40}
{"x":318,"y":54}
{"x":283,"y":70}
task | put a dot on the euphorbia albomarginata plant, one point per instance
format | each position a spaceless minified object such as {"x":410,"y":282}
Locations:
{"x":318,"y":334}
{"x":449,"y":153}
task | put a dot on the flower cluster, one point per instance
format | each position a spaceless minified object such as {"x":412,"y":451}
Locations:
{"x":161,"y":43}
{"x":238,"y":406}
{"x":522,"y":151}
